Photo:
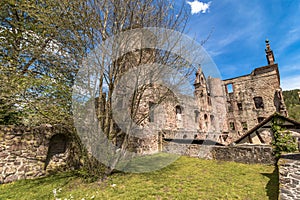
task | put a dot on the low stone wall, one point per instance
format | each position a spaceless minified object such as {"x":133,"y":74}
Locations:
{"x":250,"y":154}
{"x":192,"y":150}
{"x":289,"y":177}
{"x":25,"y":152}
{"x":262,"y":154}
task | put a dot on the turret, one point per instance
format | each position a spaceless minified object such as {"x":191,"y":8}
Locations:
{"x":269,"y":54}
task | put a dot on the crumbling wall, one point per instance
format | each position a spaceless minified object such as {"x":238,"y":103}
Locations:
{"x":252,"y":99}
{"x":24,"y":152}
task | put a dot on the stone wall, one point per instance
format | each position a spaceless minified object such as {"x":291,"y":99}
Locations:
{"x":25,"y":152}
{"x":289,"y":177}
{"x":192,"y":150}
{"x":250,"y":154}
{"x":252,"y":99}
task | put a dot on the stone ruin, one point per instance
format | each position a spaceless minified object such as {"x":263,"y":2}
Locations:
{"x":222,"y":110}
{"x":33,"y":152}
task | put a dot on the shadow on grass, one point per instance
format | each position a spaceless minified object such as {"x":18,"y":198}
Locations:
{"x":272,"y":187}
{"x":149,"y":163}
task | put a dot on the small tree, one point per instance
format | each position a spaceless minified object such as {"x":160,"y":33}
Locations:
{"x":283,"y":140}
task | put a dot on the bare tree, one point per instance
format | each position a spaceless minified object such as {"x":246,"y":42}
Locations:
{"x":122,"y":26}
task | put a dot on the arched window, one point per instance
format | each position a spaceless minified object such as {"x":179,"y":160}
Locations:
{"x":205,"y":116}
{"x":231,"y":126}
{"x":178,"y":109}
{"x":179,"y":119}
{"x":212,"y":118}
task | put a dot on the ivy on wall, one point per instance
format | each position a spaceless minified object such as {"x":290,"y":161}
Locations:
{"x":283,"y":140}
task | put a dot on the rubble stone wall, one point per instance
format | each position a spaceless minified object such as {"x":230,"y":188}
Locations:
{"x":253,"y":98}
{"x":24,"y":152}
{"x":250,"y":154}
{"x":289,"y":177}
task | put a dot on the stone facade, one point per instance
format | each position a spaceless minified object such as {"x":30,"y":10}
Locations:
{"x":222,"y":110}
{"x":32,"y":152}
{"x":252,"y":99}
{"x":289,"y":177}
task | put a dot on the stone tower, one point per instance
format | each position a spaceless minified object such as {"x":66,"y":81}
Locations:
{"x":203,"y":99}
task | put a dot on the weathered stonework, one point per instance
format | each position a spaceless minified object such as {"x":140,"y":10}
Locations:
{"x":249,"y":154}
{"x":253,"y":99}
{"x":24,"y":152}
{"x":289,"y":177}
{"x":222,"y":110}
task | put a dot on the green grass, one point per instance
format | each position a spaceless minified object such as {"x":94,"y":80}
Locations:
{"x":186,"y":178}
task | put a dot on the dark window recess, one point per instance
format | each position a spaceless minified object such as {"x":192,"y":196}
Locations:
{"x":212,"y":118}
{"x":178,"y":110}
{"x":201,"y":94}
{"x":57,"y":145}
{"x":196,"y":116}
{"x":232,"y":126}
{"x":259,"y":103}
{"x":245,"y":126}
{"x":260,"y":119}
{"x":240,"y":106}
{"x":151,"y":111}
{"x":229,"y":88}
{"x":205,"y":117}
{"x":209,"y":100}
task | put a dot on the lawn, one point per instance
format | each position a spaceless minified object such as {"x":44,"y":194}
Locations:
{"x":186,"y":178}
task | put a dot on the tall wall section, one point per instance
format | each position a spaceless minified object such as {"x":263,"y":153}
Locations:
{"x":252,"y":98}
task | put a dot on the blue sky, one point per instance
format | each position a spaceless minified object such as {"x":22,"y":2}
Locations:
{"x":238,"y":32}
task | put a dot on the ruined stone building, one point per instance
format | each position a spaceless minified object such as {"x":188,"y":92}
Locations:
{"x":254,"y":97}
{"x":220,"y":110}
{"x":223,"y":110}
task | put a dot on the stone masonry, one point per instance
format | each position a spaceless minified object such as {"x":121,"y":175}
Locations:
{"x":223,"y":110}
{"x":289,"y":177}
{"x":249,"y":154}
{"x":32,"y":152}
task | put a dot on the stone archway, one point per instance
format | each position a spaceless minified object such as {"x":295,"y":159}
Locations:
{"x":57,"y":149}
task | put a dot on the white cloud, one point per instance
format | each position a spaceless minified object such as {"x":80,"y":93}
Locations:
{"x":291,"y":37}
{"x":290,"y":82}
{"x":198,"y":6}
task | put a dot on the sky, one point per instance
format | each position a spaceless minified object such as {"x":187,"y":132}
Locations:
{"x":237,"y":30}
